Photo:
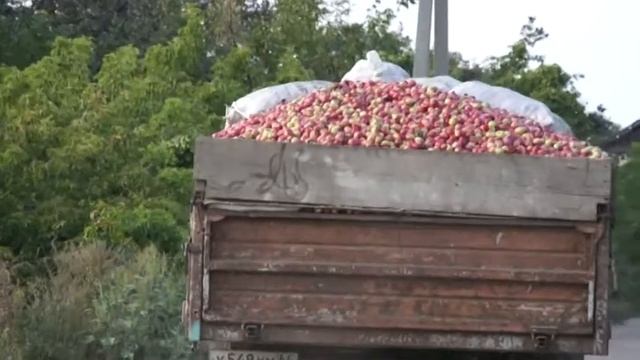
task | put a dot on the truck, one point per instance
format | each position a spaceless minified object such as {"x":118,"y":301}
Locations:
{"x":300,"y":251}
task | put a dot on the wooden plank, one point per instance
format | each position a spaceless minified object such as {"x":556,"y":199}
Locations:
{"x":601,"y":291}
{"x":384,"y":255}
{"x":371,"y":338}
{"x":192,"y":307}
{"x":312,"y":213}
{"x":396,"y":312}
{"x":402,"y":271}
{"x":297,"y":231}
{"x":375,"y":285}
{"x":369,"y":178}
{"x":293,"y":241}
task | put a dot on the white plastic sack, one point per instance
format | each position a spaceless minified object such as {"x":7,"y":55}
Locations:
{"x":374,"y":69}
{"x":513,"y":102}
{"x":442,"y":82}
{"x":267,"y":98}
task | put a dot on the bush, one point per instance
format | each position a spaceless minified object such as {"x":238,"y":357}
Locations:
{"x":103,"y":156}
{"x":136,"y":313}
{"x":626,"y":234}
{"x":99,"y":303}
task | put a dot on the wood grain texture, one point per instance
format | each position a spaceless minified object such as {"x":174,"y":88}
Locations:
{"x":306,"y":336}
{"x":406,"y":181}
{"x":402,"y":271}
{"x":386,"y":275}
{"x":488,"y":290}
{"x":491,"y":260}
{"x":396,"y":312}
{"x":192,"y":306}
{"x":365,"y":232}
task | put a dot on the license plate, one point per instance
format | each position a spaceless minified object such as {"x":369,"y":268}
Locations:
{"x":251,"y":355}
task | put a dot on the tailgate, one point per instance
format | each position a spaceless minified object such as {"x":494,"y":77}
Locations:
{"x":349,"y":281}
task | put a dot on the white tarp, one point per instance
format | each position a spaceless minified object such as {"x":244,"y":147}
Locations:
{"x":442,"y":82}
{"x":374,"y":69}
{"x":513,"y":102}
{"x":268,"y":97}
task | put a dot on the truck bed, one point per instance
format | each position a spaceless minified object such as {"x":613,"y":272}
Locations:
{"x":298,"y":245}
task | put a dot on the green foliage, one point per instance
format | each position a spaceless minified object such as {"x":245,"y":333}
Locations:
{"x":104,"y":157}
{"x":529,"y":75}
{"x":291,"y":69}
{"x":184,"y":55}
{"x":114,"y":23}
{"x":38,"y":104}
{"x":99,"y":303}
{"x":50,"y":316}
{"x":237,"y":73}
{"x":137,"y":311}
{"x":297,"y":40}
{"x":25,"y":35}
{"x":627,"y":229}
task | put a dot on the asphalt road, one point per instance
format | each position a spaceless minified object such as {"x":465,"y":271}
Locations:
{"x":625,"y":342}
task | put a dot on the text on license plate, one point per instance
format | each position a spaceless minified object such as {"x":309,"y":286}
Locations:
{"x":250,"y":355}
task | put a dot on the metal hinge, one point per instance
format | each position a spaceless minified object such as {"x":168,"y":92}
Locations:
{"x":252,"y":331}
{"x":543,"y":336}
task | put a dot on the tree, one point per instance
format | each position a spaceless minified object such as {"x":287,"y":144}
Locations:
{"x":100,"y":302}
{"x":626,"y":233}
{"x":529,"y":75}
{"x":307,"y":31}
{"x":104,"y":157}
{"x":25,"y":34}
{"x":114,"y":23}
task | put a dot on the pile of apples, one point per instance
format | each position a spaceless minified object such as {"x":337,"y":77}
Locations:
{"x":405,"y":115}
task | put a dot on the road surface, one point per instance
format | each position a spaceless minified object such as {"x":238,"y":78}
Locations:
{"x":625,"y":342}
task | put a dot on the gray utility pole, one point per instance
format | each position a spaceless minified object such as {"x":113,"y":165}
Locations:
{"x":440,"y":9}
{"x":423,"y":39}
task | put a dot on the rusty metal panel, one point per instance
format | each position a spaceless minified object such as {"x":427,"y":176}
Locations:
{"x":352,"y":281}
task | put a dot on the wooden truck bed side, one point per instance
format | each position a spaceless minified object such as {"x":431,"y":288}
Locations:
{"x":402,"y":181}
{"x":299,"y":245}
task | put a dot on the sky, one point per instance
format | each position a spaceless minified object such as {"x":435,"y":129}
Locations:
{"x":599,"y":39}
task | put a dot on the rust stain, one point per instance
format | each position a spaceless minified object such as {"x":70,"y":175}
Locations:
{"x":383,"y":283}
